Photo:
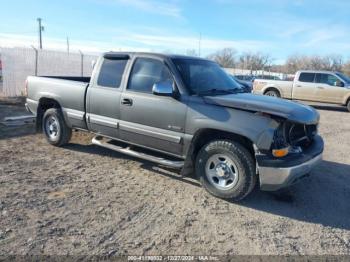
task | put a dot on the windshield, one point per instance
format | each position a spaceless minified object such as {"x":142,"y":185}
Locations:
{"x":344,"y":77}
{"x":202,"y":76}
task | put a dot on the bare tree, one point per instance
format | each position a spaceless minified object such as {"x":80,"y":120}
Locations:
{"x":314,"y":62}
{"x":346,"y":68}
{"x":225,"y":57}
{"x":333,"y":62}
{"x":254,"y":61}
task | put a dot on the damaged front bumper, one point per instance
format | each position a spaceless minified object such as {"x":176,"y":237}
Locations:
{"x":277,"y":173}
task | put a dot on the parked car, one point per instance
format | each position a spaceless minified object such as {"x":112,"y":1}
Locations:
{"x":267,"y":77}
{"x":247,"y":86}
{"x":184,"y":113}
{"x":317,"y":86}
{"x":248,"y":78}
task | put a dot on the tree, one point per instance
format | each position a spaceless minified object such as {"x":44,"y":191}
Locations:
{"x":225,"y":57}
{"x":254,"y":61}
{"x":346,"y":68}
{"x":314,"y":62}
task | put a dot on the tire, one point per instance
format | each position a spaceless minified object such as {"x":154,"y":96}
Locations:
{"x":348,"y":105}
{"x":273,"y":93}
{"x":54,"y":127}
{"x":228,"y":161}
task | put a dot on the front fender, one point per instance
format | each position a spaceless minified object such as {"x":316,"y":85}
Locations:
{"x":256,"y":127}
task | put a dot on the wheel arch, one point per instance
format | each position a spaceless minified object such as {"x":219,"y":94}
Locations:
{"x":44,"y":104}
{"x":272,"y":88}
{"x":347,"y":100}
{"x":204,"y":136}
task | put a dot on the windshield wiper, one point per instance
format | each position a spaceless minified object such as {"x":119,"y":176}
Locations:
{"x":215,"y":91}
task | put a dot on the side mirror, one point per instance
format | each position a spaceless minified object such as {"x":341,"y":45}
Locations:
{"x":164,"y":88}
{"x":339,"y":83}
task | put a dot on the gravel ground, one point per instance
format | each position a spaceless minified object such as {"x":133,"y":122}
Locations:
{"x":86,"y":200}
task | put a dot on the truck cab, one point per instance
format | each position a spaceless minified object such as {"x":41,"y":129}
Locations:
{"x":309,"y":85}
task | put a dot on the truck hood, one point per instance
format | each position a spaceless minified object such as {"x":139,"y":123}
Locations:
{"x":292,"y":111}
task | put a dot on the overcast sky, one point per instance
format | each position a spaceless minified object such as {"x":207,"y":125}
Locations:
{"x":277,"y":27}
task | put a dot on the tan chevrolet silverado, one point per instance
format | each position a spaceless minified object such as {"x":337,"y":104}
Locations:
{"x":318,"y":86}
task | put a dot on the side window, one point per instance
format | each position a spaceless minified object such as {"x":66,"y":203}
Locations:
{"x":111,"y":72}
{"x":307,"y":77}
{"x":326,"y":79}
{"x":145,"y":73}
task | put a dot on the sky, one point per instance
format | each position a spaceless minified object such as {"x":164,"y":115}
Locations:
{"x":276,"y":27}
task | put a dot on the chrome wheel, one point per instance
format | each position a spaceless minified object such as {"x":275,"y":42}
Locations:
{"x":272,"y":93}
{"x":52,"y":127}
{"x":221,"y":172}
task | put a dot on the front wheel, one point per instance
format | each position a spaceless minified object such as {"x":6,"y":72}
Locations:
{"x":272,"y":93}
{"x":348,"y":105}
{"x":55,"y":128}
{"x":226,"y":169}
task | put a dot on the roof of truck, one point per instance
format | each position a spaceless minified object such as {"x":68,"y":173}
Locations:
{"x":317,"y":71}
{"x":161,"y":55}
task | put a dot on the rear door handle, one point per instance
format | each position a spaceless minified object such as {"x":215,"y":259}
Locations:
{"x":320,"y":87}
{"x":127,"y":101}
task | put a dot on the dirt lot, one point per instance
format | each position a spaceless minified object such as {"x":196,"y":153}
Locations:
{"x":86,"y":200}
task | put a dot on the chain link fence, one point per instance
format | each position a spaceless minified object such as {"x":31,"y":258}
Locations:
{"x":18,"y":63}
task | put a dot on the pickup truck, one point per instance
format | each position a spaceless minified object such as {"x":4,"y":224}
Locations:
{"x":315,"y":86}
{"x":185,"y":113}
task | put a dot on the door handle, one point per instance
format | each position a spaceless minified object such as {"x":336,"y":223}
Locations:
{"x":127,"y":101}
{"x":320,"y":87}
{"x":298,"y":85}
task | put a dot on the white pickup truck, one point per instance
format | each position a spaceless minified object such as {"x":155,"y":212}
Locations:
{"x":318,"y":86}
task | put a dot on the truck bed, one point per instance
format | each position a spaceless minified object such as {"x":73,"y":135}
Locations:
{"x":284,"y":87}
{"x":68,"y":91}
{"x":84,"y":79}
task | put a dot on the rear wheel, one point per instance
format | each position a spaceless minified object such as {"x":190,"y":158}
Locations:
{"x":273,"y":93}
{"x":54,"y":127}
{"x":226,"y":169}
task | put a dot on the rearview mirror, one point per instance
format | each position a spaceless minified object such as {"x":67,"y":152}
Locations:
{"x":164,"y":88}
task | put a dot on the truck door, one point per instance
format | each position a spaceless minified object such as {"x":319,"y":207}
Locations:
{"x":150,"y":120}
{"x":304,"y":87}
{"x":327,"y":88}
{"x":103,"y":96}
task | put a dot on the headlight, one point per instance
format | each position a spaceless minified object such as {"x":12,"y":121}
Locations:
{"x":292,"y":138}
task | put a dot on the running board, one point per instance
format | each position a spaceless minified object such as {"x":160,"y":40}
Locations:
{"x":97,"y":140}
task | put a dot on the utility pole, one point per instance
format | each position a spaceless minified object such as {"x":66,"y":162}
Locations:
{"x":41,"y":29}
{"x":67,"y":45}
{"x":199,"y":44}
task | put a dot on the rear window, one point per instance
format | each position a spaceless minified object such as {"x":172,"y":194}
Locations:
{"x":307,"y":77}
{"x":111,"y":72}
